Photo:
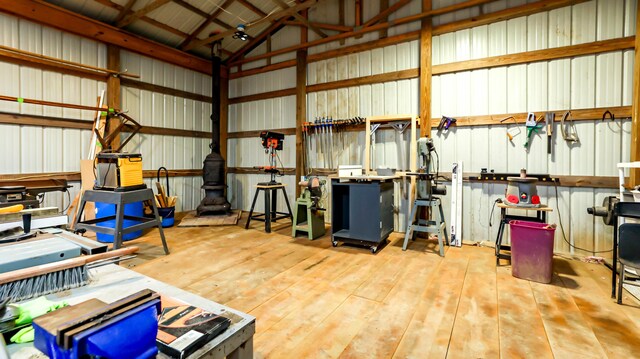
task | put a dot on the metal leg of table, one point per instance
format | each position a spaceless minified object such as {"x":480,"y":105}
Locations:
{"x":244,"y":351}
{"x":83,"y":202}
{"x":444,"y":230}
{"x":274,"y":203}
{"x":117,"y":236}
{"x":615,"y":257}
{"x":157,"y":215}
{"x":267,"y":213}
{"x":253,"y":205}
{"x":409,"y":232}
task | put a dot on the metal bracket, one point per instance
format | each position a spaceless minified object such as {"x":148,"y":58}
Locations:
{"x":400,"y":126}
{"x":374,"y":128}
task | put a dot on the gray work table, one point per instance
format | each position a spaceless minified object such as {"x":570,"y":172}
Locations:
{"x":112,"y":282}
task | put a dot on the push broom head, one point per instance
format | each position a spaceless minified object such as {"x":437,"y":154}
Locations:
{"x":44,"y":284}
{"x":54,"y":277}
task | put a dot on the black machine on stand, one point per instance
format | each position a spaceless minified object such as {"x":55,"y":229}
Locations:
{"x":272,"y":142}
{"x":427,"y":187}
{"x":213,"y":174}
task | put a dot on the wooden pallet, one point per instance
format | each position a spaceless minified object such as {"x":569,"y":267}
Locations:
{"x":191,"y":220}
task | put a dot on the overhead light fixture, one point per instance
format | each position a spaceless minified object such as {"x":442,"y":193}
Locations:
{"x":240,"y":34}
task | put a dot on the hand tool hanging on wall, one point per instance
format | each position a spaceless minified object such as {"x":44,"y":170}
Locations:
{"x":510,"y":133}
{"x":330,"y":125}
{"x":445,"y":123}
{"x":548,"y":119}
{"x":569,"y":132}
{"x":532,"y":126}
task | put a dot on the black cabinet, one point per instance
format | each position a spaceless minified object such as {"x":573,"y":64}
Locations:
{"x":362,"y":211}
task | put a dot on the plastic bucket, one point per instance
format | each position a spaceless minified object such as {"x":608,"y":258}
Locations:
{"x":167,"y":215}
{"x":107,"y":209}
{"x":532,"y":251}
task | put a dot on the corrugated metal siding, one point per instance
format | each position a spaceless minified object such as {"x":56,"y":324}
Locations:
{"x":30,"y":149}
{"x":60,"y":150}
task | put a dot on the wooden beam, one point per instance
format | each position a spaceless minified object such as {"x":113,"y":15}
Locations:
{"x":363,"y":30}
{"x":75,"y":176}
{"x":425,"y":72}
{"x":506,"y":14}
{"x":358,"y":13}
{"x":301,"y":18}
{"x":365,"y":80}
{"x":196,"y":10}
{"x":263,"y":96}
{"x":124,"y":11}
{"x":263,"y":69}
{"x":164,"y":90}
{"x":204,"y":25}
{"x":496,"y":61}
{"x":564,"y":181}
{"x":384,"y":4}
{"x":274,"y":16}
{"x":320,"y":25}
{"x":138,"y":14}
{"x":268,"y":45}
{"x":589,"y":48}
{"x":341,"y":17}
{"x":249,"y":134}
{"x":301,"y":112}
{"x":635,"y":113}
{"x":54,"y":16}
{"x":384,"y":13}
{"x":113,"y":91}
{"x":56,"y":122}
{"x":576,"y":115}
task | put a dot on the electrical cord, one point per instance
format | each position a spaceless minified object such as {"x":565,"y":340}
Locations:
{"x":498,"y":200}
{"x":564,"y":236}
{"x":68,"y":203}
{"x":281,"y":164}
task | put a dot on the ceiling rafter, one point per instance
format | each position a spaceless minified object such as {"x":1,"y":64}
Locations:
{"x":386,"y":12}
{"x":205,"y":15}
{"x":125,"y":10}
{"x":321,"y":25}
{"x":274,"y":16}
{"x":138,"y":14}
{"x":301,"y":18}
{"x":204,"y":25}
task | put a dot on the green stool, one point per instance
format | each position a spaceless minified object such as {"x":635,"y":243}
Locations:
{"x":307,"y":218}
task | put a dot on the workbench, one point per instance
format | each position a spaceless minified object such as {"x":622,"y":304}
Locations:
{"x":362,"y":210}
{"x":505,"y":218}
{"x":111,"y":282}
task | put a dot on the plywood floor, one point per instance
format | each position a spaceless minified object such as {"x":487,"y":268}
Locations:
{"x":312,"y":300}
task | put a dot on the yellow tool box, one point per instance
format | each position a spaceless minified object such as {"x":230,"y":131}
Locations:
{"x":119,"y":172}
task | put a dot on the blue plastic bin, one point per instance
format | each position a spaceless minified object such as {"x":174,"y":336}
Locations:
{"x":167,"y":214}
{"x":107,"y":209}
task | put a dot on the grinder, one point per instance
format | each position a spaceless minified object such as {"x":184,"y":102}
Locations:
{"x":521,"y":191}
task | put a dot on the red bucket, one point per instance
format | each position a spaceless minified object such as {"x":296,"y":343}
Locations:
{"x":532,"y":251}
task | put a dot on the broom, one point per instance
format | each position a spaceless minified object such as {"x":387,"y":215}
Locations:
{"x":52,"y":277}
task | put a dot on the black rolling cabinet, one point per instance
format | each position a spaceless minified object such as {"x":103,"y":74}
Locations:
{"x":362,"y":211}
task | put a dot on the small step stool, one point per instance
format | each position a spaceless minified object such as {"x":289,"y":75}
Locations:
{"x":306,"y":218}
{"x":439,"y":226}
{"x":120,"y":199}
{"x":270,"y":201}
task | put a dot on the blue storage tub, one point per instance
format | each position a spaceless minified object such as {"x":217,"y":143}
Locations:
{"x":107,"y":209}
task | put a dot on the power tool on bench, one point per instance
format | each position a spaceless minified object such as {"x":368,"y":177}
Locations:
{"x":29,"y":193}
